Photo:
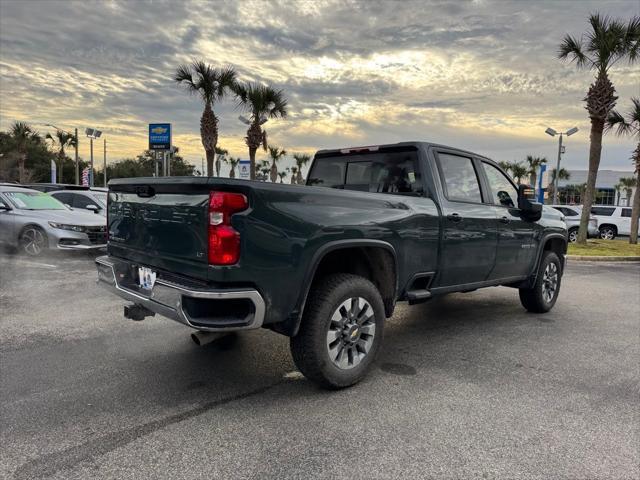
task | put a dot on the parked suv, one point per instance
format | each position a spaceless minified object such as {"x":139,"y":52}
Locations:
{"x":613,"y":220}
{"x":572,"y":219}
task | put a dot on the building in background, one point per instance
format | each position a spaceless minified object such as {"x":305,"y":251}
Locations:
{"x":570,"y":191}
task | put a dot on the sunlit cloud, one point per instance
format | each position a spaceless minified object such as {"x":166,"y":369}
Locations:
{"x":481,"y":75}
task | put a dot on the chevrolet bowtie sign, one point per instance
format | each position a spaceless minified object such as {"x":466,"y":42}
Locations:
{"x":159,"y":136}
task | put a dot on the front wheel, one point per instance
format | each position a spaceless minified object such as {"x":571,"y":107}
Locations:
{"x":33,"y":241}
{"x":543,"y":295}
{"x":341,"y":331}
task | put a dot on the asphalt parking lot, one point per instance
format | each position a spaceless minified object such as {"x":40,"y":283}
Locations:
{"x":467,"y":386}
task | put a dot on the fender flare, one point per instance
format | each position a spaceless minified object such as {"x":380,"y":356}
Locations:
{"x":321,"y":252}
{"x":543,"y":243}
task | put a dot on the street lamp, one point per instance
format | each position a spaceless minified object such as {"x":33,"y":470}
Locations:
{"x":92,"y":134}
{"x":553,"y":133}
{"x":76,"y":141}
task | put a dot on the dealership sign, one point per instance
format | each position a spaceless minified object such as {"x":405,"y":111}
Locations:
{"x":159,"y":136}
{"x":245,"y":169}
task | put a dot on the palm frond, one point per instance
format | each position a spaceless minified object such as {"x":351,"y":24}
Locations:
{"x":572,"y":49}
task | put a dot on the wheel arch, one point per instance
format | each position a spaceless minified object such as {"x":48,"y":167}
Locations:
{"x":375,"y":260}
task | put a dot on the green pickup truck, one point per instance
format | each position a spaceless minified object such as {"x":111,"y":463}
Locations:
{"x":325,"y":263}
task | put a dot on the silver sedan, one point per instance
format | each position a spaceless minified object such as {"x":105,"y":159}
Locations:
{"x":34,"y":221}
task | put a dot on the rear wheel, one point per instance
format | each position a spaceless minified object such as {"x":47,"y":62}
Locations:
{"x":608,"y":232}
{"x":341,"y":331}
{"x":33,"y":241}
{"x":543,"y":295}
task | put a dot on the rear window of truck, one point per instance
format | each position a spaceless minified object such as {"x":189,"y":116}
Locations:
{"x":395,"y":172}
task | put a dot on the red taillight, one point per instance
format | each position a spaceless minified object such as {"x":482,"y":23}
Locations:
{"x":224,"y":241}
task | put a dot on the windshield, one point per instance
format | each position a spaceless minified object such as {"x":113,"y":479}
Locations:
{"x":34,"y":201}
{"x":101,"y":197}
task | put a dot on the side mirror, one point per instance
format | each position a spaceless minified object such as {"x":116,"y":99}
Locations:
{"x":93,"y":208}
{"x":531,"y":209}
{"x":4,"y":208}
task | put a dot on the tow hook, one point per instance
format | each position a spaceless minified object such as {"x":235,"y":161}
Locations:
{"x":137,"y":312}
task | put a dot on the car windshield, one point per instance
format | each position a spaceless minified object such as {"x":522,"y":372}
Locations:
{"x":34,"y":201}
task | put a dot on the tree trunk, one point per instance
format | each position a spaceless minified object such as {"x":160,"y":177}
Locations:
{"x":595,"y":150}
{"x":293,"y":179}
{"x":274,"y":172}
{"x":61,"y":158}
{"x":252,"y":163}
{"x":209,"y":136}
{"x":532,"y":178}
{"x":22,"y":159}
{"x":217,"y":165}
{"x":253,"y":140}
{"x":299,"y":179}
{"x":628,"y":192}
{"x":232,"y":172}
{"x":211,"y":154}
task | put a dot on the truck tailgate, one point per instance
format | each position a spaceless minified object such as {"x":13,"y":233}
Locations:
{"x":160,"y":226}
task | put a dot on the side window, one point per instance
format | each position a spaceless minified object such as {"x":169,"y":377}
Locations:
{"x":502,"y":190}
{"x":459,"y":178}
{"x":570,"y":212}
{"x":604,"y":211}
{"x":626,"y":212}
{"x":66,"y":198}
{"x":80,"y":201}
{"x":3,"y":203}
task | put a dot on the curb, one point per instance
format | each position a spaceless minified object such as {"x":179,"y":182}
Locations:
{"x":602,"y":258}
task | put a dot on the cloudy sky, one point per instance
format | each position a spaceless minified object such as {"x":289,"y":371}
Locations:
{"x":481,"y":75}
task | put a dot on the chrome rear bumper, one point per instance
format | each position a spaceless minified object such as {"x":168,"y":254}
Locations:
{"x":224,"y":310}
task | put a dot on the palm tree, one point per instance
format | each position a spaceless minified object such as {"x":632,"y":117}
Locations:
{"x":220,"y":155}
{"x":534,"y":164}
{"x":629,"y":124}
{"x":282,"y":175}
{"x":301,"y":160}
{"x":617,"y":187}
{"x":506,"y":166}
{"x":211,"y":84}
{"x":518,"y":171}
{"x":606,"y":43}
{"x":22,"y":135}
{"x":628,"y":184}
{"x":275,"y":154}
{"x":294,"y":171}
{"x":563,"y":175}
{"x":261,"y":103}
{"x":264,"y":170}
{"x":62,"y":140}
{"x":233,"y":163}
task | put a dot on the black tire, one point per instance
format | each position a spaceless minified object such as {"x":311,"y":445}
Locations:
{"x":310,"y":348}
{"x":33,"y":241}
{"x":536,"y":299}
{"x":573,"y":235}
{"x":608,"y":232}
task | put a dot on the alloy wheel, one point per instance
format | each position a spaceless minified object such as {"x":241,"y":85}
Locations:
{"x":351,"y":333}
{"x":573,"y":236}
{"x":33,"y":241}
{"x":607,"y":234}
{"x":549,"y":282}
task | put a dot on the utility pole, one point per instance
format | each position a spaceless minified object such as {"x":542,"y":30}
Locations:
{"x":91,"y":167}
{"x":104,"y":166}
{"x":555,"y":180}
{"x":77,"y":162}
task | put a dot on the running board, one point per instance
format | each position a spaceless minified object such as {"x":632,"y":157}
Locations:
{"x":418,"y":296}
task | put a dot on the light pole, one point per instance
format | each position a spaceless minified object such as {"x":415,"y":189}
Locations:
{"x":92,"y":133}
{"x":75,"y":135}
{"x":104,"y":164}
{"x":553,"y":133}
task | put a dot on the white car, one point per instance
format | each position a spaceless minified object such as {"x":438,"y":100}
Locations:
{"x":612,"y":220}
{"x":572,"y":219}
